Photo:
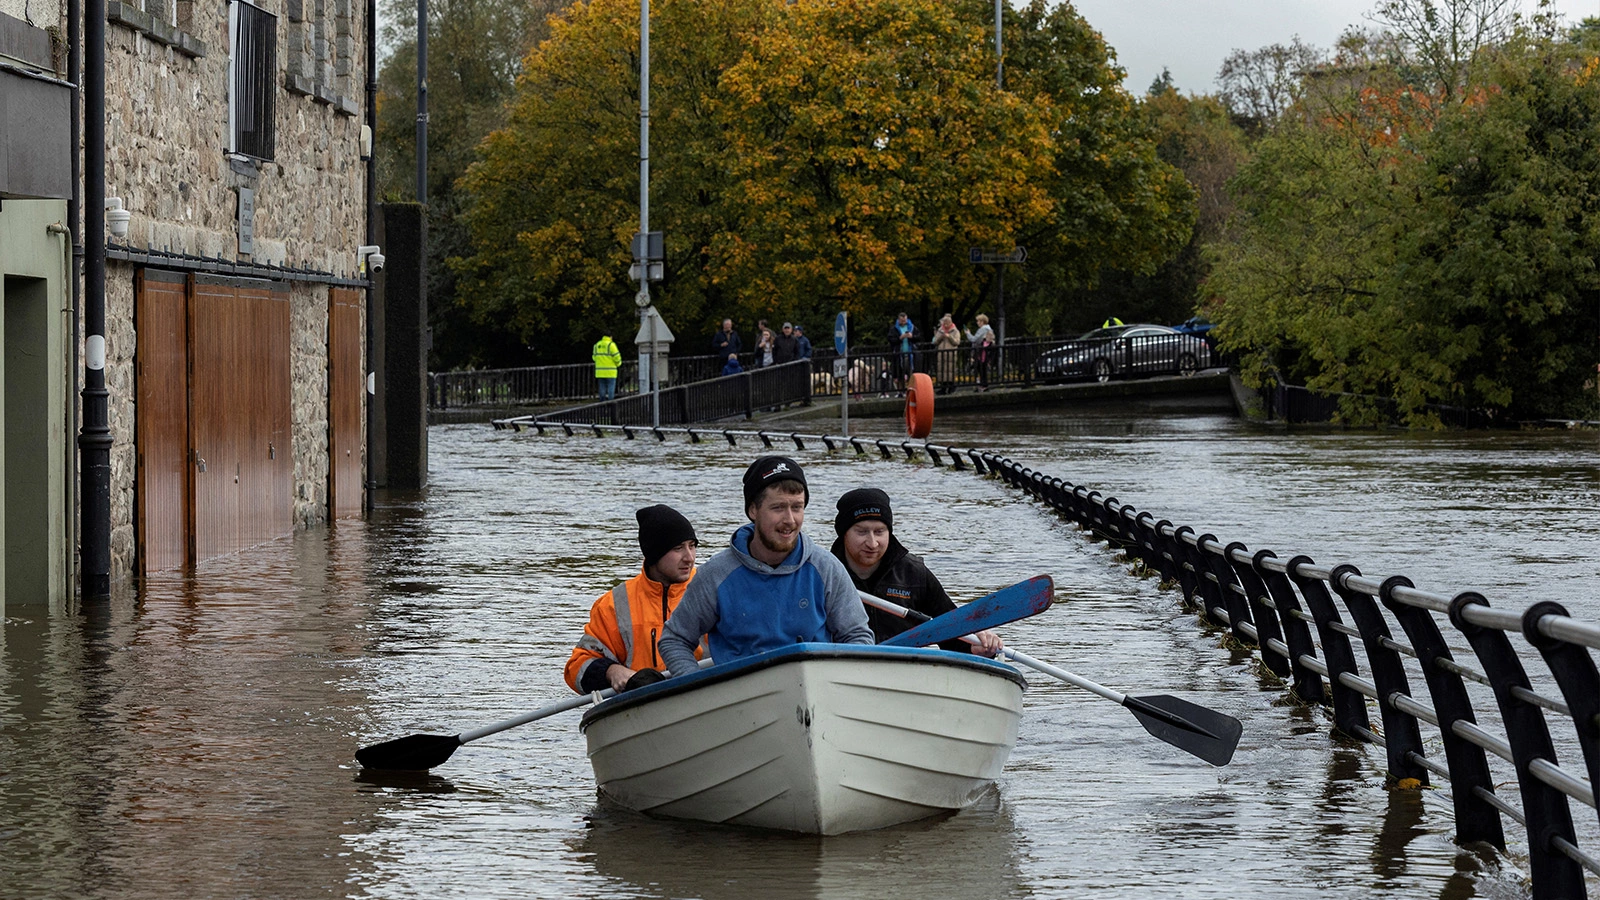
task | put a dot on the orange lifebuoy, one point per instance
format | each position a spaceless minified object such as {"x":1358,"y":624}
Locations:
{"x":919,"y":405}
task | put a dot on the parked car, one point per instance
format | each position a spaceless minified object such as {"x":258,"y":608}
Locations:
{"x":1123,"y":351}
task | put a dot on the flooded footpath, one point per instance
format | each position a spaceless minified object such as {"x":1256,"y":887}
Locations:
{"x":198,"y":740}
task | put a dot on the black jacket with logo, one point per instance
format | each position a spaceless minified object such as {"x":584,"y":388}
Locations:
{"x":901,"y":577}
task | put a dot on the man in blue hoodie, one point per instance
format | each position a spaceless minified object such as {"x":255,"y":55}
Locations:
{"x":772,"y":587}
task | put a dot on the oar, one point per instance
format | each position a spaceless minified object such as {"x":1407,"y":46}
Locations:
{"x":1023,"y":599}
{"x":416,"y":752}
{"x":1203,"y":732}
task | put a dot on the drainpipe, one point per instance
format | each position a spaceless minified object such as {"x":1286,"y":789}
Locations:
{"x":75,"y":239}
{"x":94,"y":440}
{"x":372,"y":236}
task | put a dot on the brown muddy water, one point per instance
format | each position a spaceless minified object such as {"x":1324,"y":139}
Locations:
{"x":197,"y":740}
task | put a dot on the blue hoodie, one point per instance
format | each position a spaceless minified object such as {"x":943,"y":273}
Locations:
{"x":744,"y":606}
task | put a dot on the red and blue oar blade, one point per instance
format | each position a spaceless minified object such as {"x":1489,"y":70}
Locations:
{"x":1019,"y":601}
{"x":412,"y":753}
{"x":1206,"y":733}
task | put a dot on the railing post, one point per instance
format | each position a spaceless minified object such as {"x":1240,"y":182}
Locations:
{"x":1307,"y":683}
{"x":1476,"y":820}
{"x":1349,"y":706}
{"x":1575,"y":673}
{"x":1401,"y":736}
{"x":1266,"y":621}
{"x":1545,"y":808}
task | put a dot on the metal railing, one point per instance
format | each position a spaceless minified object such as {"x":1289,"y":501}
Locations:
{"x":1293,"y":613}
{"x":872,"y":371}
{"x":702,"y":401}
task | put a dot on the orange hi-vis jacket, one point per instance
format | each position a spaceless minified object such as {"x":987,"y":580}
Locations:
{"x":624,"y":626}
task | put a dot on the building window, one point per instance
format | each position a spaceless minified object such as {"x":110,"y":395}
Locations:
{"x":251,"y":67}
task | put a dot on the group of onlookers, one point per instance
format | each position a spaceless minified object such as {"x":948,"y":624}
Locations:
{"x":771,"y":349}
{"x":947,"y":340}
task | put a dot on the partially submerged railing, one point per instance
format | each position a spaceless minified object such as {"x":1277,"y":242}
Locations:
{"x":1288,"y":611}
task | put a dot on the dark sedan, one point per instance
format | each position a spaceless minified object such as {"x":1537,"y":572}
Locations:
{"x":1124,"y":351}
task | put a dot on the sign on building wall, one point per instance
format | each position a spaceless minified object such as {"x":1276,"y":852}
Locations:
{"x":247,"y":220}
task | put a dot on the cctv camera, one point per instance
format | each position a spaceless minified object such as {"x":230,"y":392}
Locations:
{"x":116,"y":217}
{"x":371,"y":258}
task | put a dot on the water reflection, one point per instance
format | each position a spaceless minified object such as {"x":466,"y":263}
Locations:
{"x":973,"y":853}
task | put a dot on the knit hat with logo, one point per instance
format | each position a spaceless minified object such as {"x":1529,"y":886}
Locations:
{"x":863,"y":505}
{"x":770,"y":470}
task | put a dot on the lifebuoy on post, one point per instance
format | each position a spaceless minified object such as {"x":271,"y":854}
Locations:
{"x":919,"y":405}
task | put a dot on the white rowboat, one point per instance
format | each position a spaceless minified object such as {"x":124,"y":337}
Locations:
{"x":815,"y":738}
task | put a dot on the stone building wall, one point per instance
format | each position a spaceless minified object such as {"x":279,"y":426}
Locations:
{"x":308,"y":371}
{"x":166,"y":137}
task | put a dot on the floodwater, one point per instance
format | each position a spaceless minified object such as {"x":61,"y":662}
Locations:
{"x":198,"y":741}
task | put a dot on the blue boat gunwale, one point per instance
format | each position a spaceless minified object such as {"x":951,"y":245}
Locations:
{"x":791,"y":654}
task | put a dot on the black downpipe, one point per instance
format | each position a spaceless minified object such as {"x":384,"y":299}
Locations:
{"x":372,"y":236}
{"x":74,"y":234}
{"x":94,"y":440}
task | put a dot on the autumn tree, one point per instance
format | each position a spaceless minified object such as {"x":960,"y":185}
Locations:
{"x":809,"y":156}
{"x":1260,"y":85}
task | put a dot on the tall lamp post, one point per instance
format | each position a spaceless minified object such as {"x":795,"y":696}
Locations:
{"x":648,"y":250}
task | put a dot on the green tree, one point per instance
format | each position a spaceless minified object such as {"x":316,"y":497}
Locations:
{"x":475,"y":50}
{"x":1431,"y":249}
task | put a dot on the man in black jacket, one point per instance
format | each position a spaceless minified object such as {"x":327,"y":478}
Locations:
{"x":880,"y":565}
{"x":726,"y":341}
{"x":785,"y":347}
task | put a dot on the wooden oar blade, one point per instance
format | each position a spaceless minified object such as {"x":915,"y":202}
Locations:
{"x":413,"y":753}
{"x":1023,"y":599}
{"x":1206,"y":733}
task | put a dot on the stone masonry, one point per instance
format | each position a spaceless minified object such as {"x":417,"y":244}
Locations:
{"x":166,"y":135}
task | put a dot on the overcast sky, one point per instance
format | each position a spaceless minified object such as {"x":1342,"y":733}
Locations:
{"x":1191,"y":37}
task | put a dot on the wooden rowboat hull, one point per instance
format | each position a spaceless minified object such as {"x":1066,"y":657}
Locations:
{"x":814,"y":738}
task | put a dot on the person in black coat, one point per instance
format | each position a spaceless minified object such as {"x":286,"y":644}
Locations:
{"x":880,"y":565}
{"x":785,"y":347}
{"x":726,"y":341}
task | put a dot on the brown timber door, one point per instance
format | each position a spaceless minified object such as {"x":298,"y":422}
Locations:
{"x":345,"y":388}
{"x":161,"y":431}
{"x":239,"y":414}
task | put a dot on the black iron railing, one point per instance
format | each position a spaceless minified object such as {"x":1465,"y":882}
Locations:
{"x":1352,"y":643}
{"x":702,"y":401}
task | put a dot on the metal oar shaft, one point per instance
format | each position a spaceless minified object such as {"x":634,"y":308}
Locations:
{"x":570,"y":703}
{"x":1064,"y":675}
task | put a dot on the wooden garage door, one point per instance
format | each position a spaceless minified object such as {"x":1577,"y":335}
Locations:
{"x":239,"y":414}
{"x":161,"y":372}
{"x":345,"y":390}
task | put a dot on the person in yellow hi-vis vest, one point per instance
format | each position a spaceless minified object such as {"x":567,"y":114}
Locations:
{"x":606,"y":360}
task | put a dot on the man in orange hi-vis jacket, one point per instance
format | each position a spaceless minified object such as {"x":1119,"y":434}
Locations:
{"x":618,"y":647}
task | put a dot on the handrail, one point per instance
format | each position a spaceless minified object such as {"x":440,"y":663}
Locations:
{"x":1285,"y":599}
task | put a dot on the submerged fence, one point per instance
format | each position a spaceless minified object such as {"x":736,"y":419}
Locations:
{"x":701,"y":401}
{"x":1328,"y":633}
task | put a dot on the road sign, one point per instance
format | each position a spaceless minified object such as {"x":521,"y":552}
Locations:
{"x":838,"y":334}
{"x":979,"y":256}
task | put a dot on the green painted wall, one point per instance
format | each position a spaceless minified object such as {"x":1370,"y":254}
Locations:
{"x":34,"y":370}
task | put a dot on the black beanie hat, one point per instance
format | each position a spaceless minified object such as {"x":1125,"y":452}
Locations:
{"x":861,"y":505}
{"x":769,"y":470}
{"x":660,"y":529}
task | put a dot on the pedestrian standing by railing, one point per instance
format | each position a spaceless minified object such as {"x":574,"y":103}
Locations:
{"x":764,"y":349}
{"x":802,"y":342}
{"x":947,"y":362}
{"x":982,"y":339}
{"x":785,"y":348}
{"x":726,"y":341}
{"x":607,"y":358}
{"x":732,"y":367}
{"x":902,"y":340}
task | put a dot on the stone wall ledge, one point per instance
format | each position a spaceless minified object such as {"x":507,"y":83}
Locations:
{"x":158,"y":31}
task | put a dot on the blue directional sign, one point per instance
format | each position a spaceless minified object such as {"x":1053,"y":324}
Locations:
{"x":838,"y":334}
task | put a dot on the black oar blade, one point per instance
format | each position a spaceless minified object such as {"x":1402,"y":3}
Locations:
{"x":413,"y":753}
{"x":1206,"y":733}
